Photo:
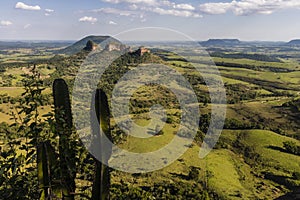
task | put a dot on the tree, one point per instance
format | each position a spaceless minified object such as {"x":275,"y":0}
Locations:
{"x":291,"y":147}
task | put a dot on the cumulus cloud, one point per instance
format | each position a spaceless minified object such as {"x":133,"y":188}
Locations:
{"x":177,"y":13}
{"x":248,"y":7}
{"x":5,"y":23}
{"x":168,"y":7}
{"x":48,"y":12}
{"x":88,"y":19}
{"x":162,"y":7}
{"x":116,"y":11}
{"x":148,"y":2}
{"x":112,"y":23}
{"x":184,"y":6}
{"x":23,"y":6}
{"x":215,"y":8}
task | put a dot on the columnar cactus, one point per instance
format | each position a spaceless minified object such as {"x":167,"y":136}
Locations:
{"x":64,"y":127}
{"x":100,"y":190}
{"x":45,"y":161}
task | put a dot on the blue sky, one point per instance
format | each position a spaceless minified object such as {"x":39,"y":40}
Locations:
{"x":271,"y":20}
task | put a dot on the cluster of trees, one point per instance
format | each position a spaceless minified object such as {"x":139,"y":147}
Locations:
{"x":5,"y":98}
{"x":155,"y":94}
{"x":258,"y":57}
{"x":248,"y":151}
{"x":7,"y":80}
{"x":291,"y":147}
{"x":235,"y":124}
{"x":239,"y":92}
{"x":294,"y":104}
{"x":253,"y":67}
{"x":165,"y":190}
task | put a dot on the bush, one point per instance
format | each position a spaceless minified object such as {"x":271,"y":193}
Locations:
{"x":296,"y":175}
{"x":291,"y":147}
{"x":194,"y":173}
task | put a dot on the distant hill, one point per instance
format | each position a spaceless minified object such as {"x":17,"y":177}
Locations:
{"x":221,"y":42}
{"x":81,"y":44}
{"x":33,"y":44}
{"x":294,"y":43}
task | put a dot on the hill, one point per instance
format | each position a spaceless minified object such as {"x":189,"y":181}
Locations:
{"x":221,"y":42}
{"x":32,"y":44}
{"x":81,"y":44}
{"x":294,"y":43}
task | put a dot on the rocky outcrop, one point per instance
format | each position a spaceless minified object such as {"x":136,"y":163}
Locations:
{"x":90,"y":46}
{"x":115,"y":47}
{"x":142,"y":50}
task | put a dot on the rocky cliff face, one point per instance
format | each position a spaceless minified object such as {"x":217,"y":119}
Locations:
{"x":90,"y":46}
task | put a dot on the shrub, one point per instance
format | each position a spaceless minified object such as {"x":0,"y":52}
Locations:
{"x":291,"y":147}
{"x":296,"y":175}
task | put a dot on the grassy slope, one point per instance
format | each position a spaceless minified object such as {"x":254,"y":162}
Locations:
{"x":229,"y":175}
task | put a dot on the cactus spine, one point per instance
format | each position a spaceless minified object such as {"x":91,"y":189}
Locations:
{"x":64,"y":126}
{"x":100,"y":190}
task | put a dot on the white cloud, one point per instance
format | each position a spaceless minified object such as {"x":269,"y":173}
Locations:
{"x":5,"y":23}
{"x":215,"y":8}
{"x":88,"y":19}
{"x":27,"y":26}
{"x":49,"y":10}
{"x":148,"y":2}
{"x":21,"y":5}
{"x":184,"y":6}
{"x":112,"y":23}
{"x":133,"y":7}
{"x":162,"y":7}
{"x":248,"y":7}
{"x":115,"y":11}
{"x":177,"y":13}
{"x":166,"y":3}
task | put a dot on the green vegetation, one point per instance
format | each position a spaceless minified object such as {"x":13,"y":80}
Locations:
{"x":256,"y":157}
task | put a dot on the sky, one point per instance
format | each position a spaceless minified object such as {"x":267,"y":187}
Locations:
{"x":248,"y":20}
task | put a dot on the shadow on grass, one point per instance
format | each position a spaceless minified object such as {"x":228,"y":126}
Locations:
{"x":181,"y":176}
{"x":295,"y":194}
{"x":277,"y":148}
{"x":282,"y":180}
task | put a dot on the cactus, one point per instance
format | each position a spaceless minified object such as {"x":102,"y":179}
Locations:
{"x":63,"y":116}
{"x":47,"y":163}
{"x":64,"y":126}
{"x":101,"y":183}
{"x":45,"y":158}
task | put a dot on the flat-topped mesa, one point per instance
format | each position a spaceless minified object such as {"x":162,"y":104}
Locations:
{"x":90,"y":46}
